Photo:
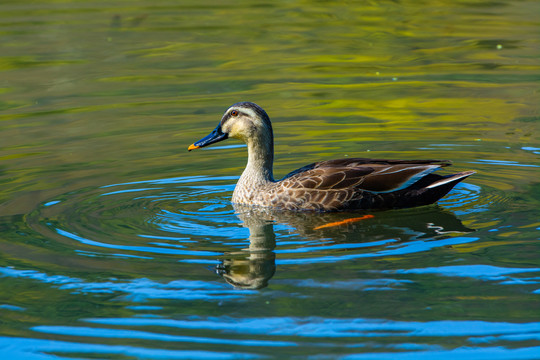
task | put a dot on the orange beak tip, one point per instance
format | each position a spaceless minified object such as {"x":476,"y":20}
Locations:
{"x":192,"y":147}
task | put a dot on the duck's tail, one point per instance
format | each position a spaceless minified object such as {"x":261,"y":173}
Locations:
{"x":450,"y":180}
{"x":431,"y":188}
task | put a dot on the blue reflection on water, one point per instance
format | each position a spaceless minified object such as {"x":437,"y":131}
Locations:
{"x":176,"y":180}
{"x":11,"y":307}
{"x":464,"y":193}
{"x":334,"y":247}
{"x":481,"y":272}
{"x":51,"y":203}
{"x":36,"y":349}
{"x":478,"y":271}
{"x":333,"y":327}
{"x":147,"y":249}
{"x":128,"y":191}
{"x":398,"y":249}
{"x":463,"y":353}
{"x":146,"y":335}
{"x":190,"y":224}
{"x":137,"y":290}
{"x":502,"y":162}
{"x":530,"y":148}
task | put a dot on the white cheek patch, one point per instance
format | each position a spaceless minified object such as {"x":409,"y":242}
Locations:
{"x":235,"y":129}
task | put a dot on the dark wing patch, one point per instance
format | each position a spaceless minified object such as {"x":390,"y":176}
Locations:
{"x":395,"y":177}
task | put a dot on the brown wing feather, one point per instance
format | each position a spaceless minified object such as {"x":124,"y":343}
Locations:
{"x":328,"y":178}
{"x":375,"y":175}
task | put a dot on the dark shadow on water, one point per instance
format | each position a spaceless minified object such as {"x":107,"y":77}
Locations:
{"x":253,"y":267}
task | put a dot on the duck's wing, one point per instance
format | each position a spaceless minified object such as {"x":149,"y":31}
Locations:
{"x":373,"y":175}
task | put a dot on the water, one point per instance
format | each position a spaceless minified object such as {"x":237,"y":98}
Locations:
{"x":117,"y":243}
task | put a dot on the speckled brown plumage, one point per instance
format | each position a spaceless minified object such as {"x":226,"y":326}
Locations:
{"x":332,"y":185}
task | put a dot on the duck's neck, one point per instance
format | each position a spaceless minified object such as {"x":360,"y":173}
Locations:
{"x":258,"y":173}
{"x":260,"y":162}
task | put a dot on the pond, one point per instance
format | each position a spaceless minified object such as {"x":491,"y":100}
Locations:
{"x":116,"y":243}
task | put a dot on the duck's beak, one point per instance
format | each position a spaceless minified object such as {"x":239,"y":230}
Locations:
{"x":215,"y":136}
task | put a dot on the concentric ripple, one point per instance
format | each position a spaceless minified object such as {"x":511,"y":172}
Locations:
{"x":190,"y":219}
{"x":143,"y":219}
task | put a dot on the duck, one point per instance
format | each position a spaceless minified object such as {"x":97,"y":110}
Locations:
{"x":329,"y":185}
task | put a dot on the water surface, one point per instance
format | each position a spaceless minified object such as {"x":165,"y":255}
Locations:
{"x":115,"y":242}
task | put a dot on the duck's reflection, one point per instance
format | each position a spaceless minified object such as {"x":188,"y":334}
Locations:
{"x":253,"y":267}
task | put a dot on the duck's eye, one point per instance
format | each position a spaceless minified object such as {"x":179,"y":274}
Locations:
{"x":234,"y":113}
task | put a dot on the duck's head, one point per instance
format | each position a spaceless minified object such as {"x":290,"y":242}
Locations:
{"x":245,"y":121}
